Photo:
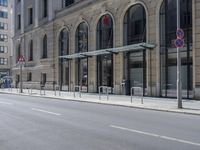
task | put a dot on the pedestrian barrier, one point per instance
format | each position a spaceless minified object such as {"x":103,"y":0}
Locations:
{"x":42,"y":88}
{"x":132,"y":90}
{"x":79,"y":90}
{"x":30,"y":90}
{"x":11,"y":87}
{"x":57,"y":89}
{"x":107,"y":91}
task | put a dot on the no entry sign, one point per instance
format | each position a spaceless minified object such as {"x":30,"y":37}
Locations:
{"x":179,"y":43}
{"x":180,"y":33}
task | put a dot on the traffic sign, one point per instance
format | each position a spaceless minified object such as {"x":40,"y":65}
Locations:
{"x":21,"y":59}
{"x":179,"y":43}
{"x":180,"y":33}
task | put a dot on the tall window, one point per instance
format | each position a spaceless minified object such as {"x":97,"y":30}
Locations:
{"x":3,"y":26}
{"x":63,"y":63}
{"x":30,"y":54}
{"x":135,"y":62}
{"x":43,"y":78}
{"x":3,"y":2}
{"x":3,"y":14}
{"x":67,"y":2}
{"x":82,"y":64}
{"x":105,"y":40}
{"x":19,"y":22}
{"x":29,"y":76}
{"x":168,"y":27}
{"x":45,"y":8}
{"x":30,"y":16}
{"x":3,"y":37}
{"x":44,"y":46}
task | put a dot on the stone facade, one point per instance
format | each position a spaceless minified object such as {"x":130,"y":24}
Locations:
{"x":6,"y":46}
{"x":90,"y":11}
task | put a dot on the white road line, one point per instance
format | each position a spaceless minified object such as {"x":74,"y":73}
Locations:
{"x":156,"y":135}
{"x":44,"y":111}
{"x":6,"y":103}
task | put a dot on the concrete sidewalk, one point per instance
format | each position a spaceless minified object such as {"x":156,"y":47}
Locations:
{"x":151,"y":103}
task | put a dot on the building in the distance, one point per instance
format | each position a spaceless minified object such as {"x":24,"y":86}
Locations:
{"x":115,"y":43}
{"x":5,"y":37}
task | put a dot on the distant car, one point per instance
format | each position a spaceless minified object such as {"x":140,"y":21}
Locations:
{"x":5,"y":82}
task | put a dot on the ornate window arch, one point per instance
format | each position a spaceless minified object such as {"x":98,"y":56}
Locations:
{"x":64,"y":72}
{"x":82,"y":64}
{"x":134,"y":27}
{"x":104,"y":41}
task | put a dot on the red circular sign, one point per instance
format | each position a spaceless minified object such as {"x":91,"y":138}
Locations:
{"x":179,"y":43}
{"x":180,"y":33}
{"x":21,"y":59}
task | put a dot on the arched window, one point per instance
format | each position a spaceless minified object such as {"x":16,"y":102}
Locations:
{"x":44,"y":46}
{"x":135,"y":25}
{"x":64,"y":43}
{"x":105,"y":32}
{"x":82,"y":64}
{"x":82,"y":38}
{"x":135,"y":62}
{"x":64,"y":64}
{"x":168,"y":58}
{"x":30,"y":54}
{"x":104,"y":41}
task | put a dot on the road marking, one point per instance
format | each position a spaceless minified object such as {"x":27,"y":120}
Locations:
{"x":156,"y":135}
{"x":6,"y":103}
{"x":44,"y":111}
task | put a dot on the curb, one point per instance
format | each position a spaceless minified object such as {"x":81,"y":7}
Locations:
{"x":104,"y":103}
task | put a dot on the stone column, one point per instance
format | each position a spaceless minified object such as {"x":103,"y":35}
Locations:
{"x":118,"y":58}
{"x":152,"y":58}
{"x":22,"y":17}
{"x":196,"y":47}
{"x":50,"y":10}
{"x":37,"y":10}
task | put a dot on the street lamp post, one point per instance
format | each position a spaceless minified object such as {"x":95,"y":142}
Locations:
{"x":179,"y":88}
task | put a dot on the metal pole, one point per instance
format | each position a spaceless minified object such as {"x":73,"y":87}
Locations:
{"x":99,"y":93}
{"x":21,"y":84}
{"x":179,"y":88}
{"x":107,"y":93}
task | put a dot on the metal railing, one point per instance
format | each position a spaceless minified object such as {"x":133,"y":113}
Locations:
{"x":30,"y":90}
{"x":42,"y":88}
{"x":11,"y":87}
{"x":107,"y":91}
{"x":132,"y":90}
{"x":57,"y":89}
{"x":79,"y":90}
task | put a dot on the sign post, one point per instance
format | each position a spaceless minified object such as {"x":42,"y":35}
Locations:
{"x":21,"y":61}
{"x":179,"y":44}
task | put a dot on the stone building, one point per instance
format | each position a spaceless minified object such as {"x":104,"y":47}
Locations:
{"x":5,"y":37}
{"x":113,"y":43}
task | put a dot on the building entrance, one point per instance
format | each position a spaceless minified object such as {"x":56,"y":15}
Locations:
{"x":136,"y":71}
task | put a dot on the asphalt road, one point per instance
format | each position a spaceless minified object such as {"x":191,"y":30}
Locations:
{"x":29,"y":123}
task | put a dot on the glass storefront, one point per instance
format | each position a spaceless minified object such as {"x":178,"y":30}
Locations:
{"x":63,"y":63}
{"x":168,"y":51}
{"x":82,"y":63}
{"x":104,"y":41}
{"x":135,"y":62}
